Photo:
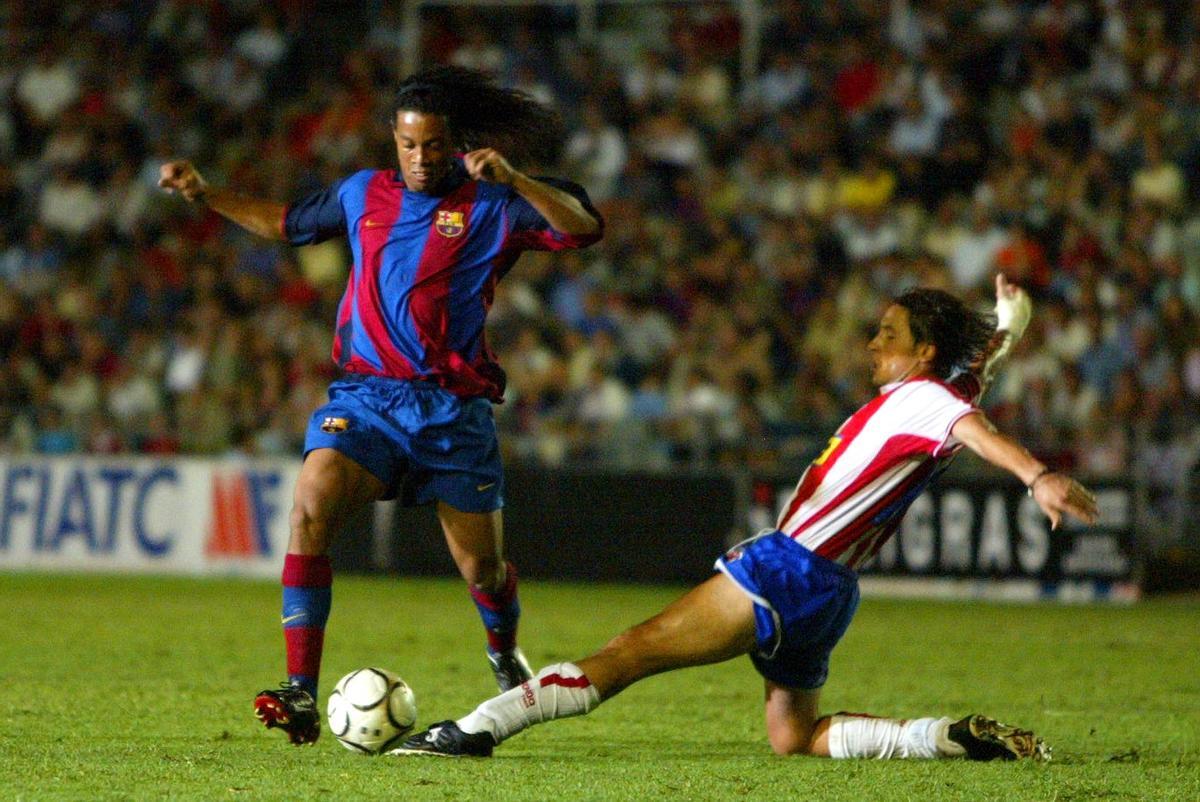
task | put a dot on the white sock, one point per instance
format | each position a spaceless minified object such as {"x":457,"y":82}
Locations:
{"x":883,"y":738}
{"x":558,"y":691}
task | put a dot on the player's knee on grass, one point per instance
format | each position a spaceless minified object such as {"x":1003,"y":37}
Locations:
{"x":788,"y":743}
{"x":788,"y":740}
{"x":796,"y":738}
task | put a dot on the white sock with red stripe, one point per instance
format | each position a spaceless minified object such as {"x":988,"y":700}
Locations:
{"x":558,"y":691}
{"x":883,"y":738}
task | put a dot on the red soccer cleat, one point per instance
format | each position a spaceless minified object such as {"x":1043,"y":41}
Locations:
{"x":292,"y":710}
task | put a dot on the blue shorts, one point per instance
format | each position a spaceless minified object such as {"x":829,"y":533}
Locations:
{"x":802,"y":606}
{"x":423,"y":442}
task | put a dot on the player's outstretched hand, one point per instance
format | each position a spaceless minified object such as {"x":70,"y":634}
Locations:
{"x":182,"y":177}
{"x":1057,"y":493}
{"x":1013,"y":307}
{"x":486,"y":164}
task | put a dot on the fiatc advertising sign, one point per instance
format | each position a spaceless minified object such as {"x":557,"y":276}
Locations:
{"x":134,"y":514}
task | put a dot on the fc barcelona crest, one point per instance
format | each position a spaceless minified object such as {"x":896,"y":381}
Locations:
{"x":449,"y":224}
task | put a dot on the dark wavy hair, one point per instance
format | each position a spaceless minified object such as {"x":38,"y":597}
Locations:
{"x":482,"y":114}
{"x":960,"y":334}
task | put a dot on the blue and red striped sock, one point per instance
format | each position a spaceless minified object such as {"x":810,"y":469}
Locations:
{"x":500,"y":611}
{"x":307,"y":594}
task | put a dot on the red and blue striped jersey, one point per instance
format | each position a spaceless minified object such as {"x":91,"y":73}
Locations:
{"x":425,"y":270}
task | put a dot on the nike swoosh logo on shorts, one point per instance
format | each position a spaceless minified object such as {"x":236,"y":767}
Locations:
{"x":482,"y":488}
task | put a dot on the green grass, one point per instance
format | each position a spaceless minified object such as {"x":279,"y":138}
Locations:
{"x":140,"y":688}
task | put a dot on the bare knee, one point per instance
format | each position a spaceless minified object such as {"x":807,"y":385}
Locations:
{"x":311,"y":521}
{"x":476,"y":544}
{"x":330,"y":485}
{"x":787,"y":741}
{"x":793,"y":738}
{"x":793,"y":725}
{"x":484,"y":571}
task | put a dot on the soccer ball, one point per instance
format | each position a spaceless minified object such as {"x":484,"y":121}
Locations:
{"x":371,"y":710}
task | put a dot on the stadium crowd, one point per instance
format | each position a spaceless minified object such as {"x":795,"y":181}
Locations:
{"x":752,"y":226}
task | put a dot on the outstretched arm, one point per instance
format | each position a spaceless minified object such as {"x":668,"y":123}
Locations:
{"x":1056,"y":493}
{"x":264,"y":218}
{"x":562,"y":210}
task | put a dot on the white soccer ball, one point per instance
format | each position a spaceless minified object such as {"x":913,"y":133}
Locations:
{"x":371,"y":710}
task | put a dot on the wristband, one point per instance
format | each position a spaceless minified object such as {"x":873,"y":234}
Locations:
{"x":1033,"y":482}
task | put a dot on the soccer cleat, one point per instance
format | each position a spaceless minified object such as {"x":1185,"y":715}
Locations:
{"x":510,"y":667}
{"x":988,"y":739}
{"x":445,"y":739}
{"x":291,"y":709}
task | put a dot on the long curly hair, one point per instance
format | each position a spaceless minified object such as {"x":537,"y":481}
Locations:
{"x":960,"y":334}
{"x":482,"y":114}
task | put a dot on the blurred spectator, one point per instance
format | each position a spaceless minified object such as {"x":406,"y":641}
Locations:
{"x":47,"y":86}
{"x":31,"y":266}
{"x":1022,"y":260}
{"x":69,"y":206}
{"x":650,"y":82}
{"x":595,"y":153}
{"x":973,"y":258}
{"x":479,"y":52}
{"x":754,"y":228}
{"x":1158,"y":181}
{"x":916,"y":131}
{"x":265,"y":44}
{"x":187,"y":360}
{"x":869,"y":188}
{"x":784,"y":83}
{"x":1102,"y":360}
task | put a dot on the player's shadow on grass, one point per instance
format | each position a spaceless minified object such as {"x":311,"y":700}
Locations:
{"x":642,"y":750}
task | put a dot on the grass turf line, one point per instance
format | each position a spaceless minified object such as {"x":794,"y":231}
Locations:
{"x":140,"y":688}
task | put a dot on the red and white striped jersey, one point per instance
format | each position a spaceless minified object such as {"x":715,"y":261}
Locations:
{"x":854,"y":495}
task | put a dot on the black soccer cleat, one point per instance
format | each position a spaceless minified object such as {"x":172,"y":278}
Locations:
{"x":445,"y":739}
{"x":291,"y":709}
{"x":988,"y":739}
{"x":511,"y":668}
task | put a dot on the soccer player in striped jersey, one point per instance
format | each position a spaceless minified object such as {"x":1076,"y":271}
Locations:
{"x":411,"y":416}
{"x":786,"y":596}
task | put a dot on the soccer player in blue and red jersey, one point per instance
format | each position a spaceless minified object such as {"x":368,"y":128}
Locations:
{"x":411,"y":417}
{"x":785,"y":597}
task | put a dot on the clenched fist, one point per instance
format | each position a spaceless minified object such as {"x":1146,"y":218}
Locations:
{"x":486,"y":164}
{"x":183,"y":177}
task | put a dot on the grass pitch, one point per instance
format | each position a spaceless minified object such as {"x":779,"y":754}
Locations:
{"x":141,"y":688}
